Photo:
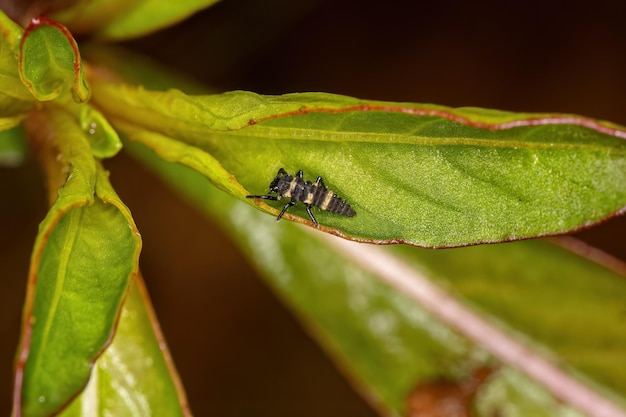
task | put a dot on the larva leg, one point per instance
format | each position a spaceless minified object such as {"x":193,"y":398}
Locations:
{"x":289,"y":204}
{"x":308,"y":210}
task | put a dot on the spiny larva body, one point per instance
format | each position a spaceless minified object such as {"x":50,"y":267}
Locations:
{"x":307,"y":192}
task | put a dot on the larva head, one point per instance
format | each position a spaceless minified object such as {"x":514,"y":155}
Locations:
{"x":281,"y":182}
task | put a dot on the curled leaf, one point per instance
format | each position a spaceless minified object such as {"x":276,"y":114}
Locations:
{"x":84,"y":257}
{"x":50,"y":64}
{"x":103,"y":139}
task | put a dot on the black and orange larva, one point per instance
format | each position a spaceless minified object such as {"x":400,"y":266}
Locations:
{"x":307,"y":192}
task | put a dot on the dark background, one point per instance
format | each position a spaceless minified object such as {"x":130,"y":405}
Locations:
{"x":238,"y":350}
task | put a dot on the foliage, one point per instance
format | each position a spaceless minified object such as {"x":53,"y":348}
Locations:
{"x":398,"y":320}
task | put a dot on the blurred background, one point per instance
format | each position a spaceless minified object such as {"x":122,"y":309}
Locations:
{"x":237,"y":348}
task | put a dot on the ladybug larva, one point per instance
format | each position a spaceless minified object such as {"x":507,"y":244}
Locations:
{"x":307,"y":192}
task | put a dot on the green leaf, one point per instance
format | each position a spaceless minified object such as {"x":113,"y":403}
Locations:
{"x":422,"y":174}
{"x":117,"y":20}
{"x":50,"y":64}
{"x":103,"y":138}
{"x":173,"y":151}
{"x":11,"y":34}
{"x":550,"y":299}
{"x":391,"y":345}
{"x":12,"y":147}
{"x":403,"y":321}
{"x":15,"y":99}
{"x":85,"y":254}
{"x":135,"y":375}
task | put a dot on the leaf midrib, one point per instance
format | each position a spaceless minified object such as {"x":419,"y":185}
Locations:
{"x":295,"y":134}
{"x":69,"y":242}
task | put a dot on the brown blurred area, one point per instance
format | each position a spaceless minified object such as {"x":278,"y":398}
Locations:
{"x":237,"y":348}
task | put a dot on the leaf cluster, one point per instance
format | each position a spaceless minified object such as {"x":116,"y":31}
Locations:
{"x":399,"y":320}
